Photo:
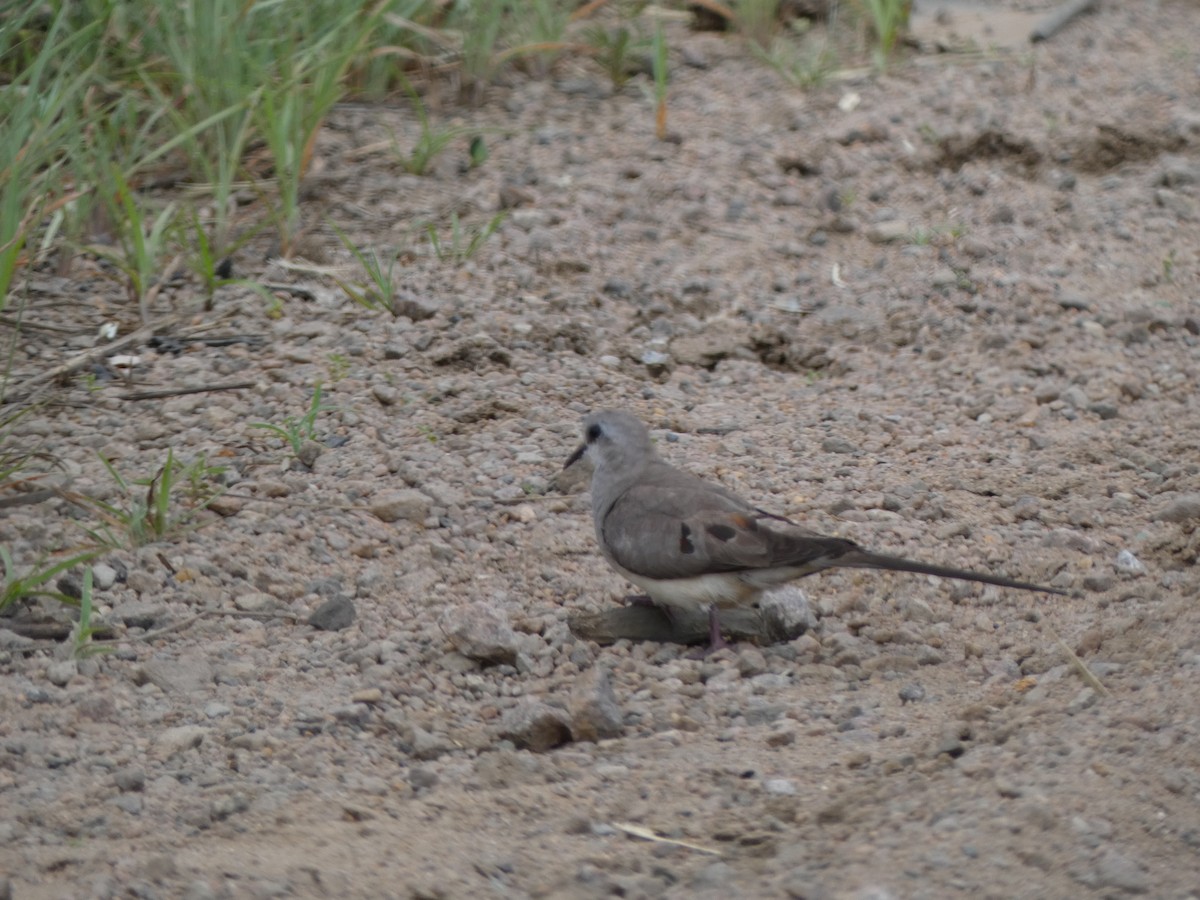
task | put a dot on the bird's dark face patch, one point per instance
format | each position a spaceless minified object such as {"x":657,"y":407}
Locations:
{"x":685,"y":540}
{"x":722,"y":532}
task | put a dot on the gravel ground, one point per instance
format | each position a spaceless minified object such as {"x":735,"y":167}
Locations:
{"x":951,"y":312}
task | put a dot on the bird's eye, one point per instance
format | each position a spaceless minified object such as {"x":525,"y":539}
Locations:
{"x":593,"y":434}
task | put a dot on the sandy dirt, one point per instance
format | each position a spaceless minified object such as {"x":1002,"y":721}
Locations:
{"x":950,"y":312}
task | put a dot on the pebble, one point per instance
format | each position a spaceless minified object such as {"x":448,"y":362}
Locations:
{"x":780,"y":787}
{"x":534,"y":725}
{"x":481,"y":631}
{"x":911,"y":693}
{"x":144,"y":614}
{"x":103,"y":576}
{"x":1085,"y":699}
{"x":1128,"y":564}
{"x":405,"y":504}
{"x":422,"y":778}
{"x":427,"y":745}
{"x":174,"y":741}
{"x":888,"y":231}
{"x":254,"y":602}
{"x":335,"y":614}
{"x":130,"y":778}
{"x":595,"y":712}
{"x":1116,"y":870}
{"x":309,"y":453}
{"x":59,"y":673}
{"x":179,"y":675}
{"x":1183,"y":508}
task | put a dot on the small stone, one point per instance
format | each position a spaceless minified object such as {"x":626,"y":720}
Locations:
{"x":130,"y":778}
{"x":1075,"y":396}
{"x":143,"y":614}
{"x":780,"y":787}
{"x":176,"y":740}
{"x":226,"y":505}
{"x":352,"y":713}
{"x":534,"y":725}
{"x":595,"y":713}
{"x":787,"y":612}
{"x":426,"y":745}
{"x":385,"y":394}
{"x":1026,"y":508}
{"x":187,"y":674}
{"x":1182,"y":509}
{"x":103,"y":576}
{"x":952,"y":740}
{"x":414,"y":307}
{"x":656,"y":359}
{"x":1128,"y":564}
{"x":715,"y":343}
{"x":254,"y":602}
{"x":367,"y":695}
{"x":912,"y":693}
{"x":886,"y":232}
{"x":1085,"y":699}
{"x":408,"y":504}
{"x":837,"y":445}
{"x":481,"y":631}
{"x":334,"y":614}
{"x":60,"y":672}
{"x":1115,"y":870}
{"x":216,"y":710}
{"x":422,"y":778}
{"x":130,"y":803}
{"x":309,"y":452}
{"x":1098,"y":583}
{"x":750,"y":661}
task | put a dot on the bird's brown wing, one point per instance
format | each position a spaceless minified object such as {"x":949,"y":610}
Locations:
{"x":676,"y":526}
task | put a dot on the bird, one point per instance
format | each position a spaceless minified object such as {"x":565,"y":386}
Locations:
{"x":696,"y":546}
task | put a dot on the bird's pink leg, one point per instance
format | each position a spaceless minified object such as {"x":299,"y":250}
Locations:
{"x":715,"y":641}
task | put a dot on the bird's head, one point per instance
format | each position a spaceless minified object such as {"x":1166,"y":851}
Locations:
{"x":615,"y":441}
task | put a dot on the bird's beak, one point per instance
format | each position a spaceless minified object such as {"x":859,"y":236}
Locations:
{"x":582,"y":449}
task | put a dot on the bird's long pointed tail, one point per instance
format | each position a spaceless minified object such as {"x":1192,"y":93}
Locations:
{"x":862,"y":559}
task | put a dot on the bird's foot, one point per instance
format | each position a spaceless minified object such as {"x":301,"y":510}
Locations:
{"x":716,"y":640}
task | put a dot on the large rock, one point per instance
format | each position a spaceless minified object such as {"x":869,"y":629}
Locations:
{"x":534,"y":725}
{"x":595,"y":713}
{"x":481,"y":631}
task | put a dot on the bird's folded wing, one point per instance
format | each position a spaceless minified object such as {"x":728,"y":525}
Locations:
{"x":679,"y":530}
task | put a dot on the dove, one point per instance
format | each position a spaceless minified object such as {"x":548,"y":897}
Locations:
{"x":693,"y":545}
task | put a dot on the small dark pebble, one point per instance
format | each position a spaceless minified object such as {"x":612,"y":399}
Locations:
{"x":333,"y":615}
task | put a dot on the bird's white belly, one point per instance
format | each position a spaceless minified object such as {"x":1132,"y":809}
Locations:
{"x":696,"y":594}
